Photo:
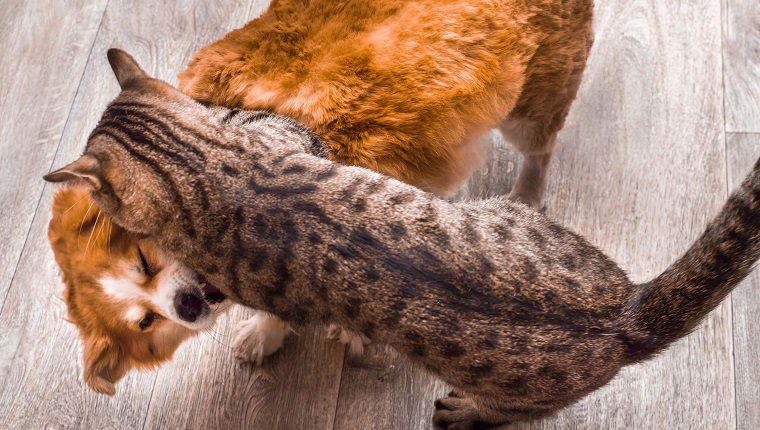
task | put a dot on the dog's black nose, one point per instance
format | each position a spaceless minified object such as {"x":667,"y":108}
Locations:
{"x":189,"y":306}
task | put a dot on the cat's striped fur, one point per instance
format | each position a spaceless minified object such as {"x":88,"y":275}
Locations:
{"x":522,"y":316}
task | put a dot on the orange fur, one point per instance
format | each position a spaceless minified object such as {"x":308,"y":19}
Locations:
{"x":403,"y":87}
{"x":88,"y":248}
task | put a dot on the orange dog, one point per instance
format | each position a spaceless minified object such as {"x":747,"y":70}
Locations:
{"x":401,"y":87}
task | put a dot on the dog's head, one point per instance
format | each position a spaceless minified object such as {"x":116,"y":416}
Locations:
{"x":132,"y":304}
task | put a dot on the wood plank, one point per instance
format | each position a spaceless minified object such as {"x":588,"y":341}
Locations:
{"x":741,"y":64}
{"x":49,"y":45}
{"x":639,"y":172}
{"x":742,"y":152}
{"x":204,"y":388}
{"x":45,"y":48}
{"x":383,"y":390}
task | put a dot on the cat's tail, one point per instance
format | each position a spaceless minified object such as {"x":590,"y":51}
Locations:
{"x":672,"y":304}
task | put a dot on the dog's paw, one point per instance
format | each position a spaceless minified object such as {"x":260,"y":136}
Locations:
{"x":258,"y":337}
{"x":354,"y":341}
{"x":457,"y":413}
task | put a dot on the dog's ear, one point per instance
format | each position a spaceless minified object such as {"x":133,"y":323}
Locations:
{"x":86,"y":169}
{"x":104,"y":364}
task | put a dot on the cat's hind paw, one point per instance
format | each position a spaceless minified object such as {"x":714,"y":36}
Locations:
{"x":257,"y":337}
{"x":457,"y":413}
{"x":355,"y":341}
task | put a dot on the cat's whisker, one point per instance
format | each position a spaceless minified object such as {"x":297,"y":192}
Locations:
{"x":84,"y":218}
{"x":97,"y":218}
{"x":72,"y":206}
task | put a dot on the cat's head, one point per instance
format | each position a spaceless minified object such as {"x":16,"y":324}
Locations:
{"x":132,"y":303}
{"x":123,"y":164}
{"x":144,"y":160}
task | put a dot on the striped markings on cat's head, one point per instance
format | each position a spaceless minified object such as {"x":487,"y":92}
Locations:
{"x":153,"y":144}
{"x":124,"y":161}
{"x":132,"y":304}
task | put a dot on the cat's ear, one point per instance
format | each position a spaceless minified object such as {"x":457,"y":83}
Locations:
{"x":126,"y":69}
{"x":87,"y":169}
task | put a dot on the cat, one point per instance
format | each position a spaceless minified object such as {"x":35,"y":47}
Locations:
{"x":402,"y":87}
{"x":521,"y":316}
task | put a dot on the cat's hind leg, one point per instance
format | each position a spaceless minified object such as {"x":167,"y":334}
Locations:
{"x":462,"y":412}
{"x":354,"y":341}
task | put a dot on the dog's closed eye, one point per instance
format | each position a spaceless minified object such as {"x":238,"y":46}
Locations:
{"x":147,"y":268}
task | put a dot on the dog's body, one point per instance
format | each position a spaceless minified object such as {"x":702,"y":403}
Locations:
{"x":404,"y":87}
{"x":401,"y":87}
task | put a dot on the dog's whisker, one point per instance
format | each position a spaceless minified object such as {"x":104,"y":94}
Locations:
{"x":211,"y":333}
{"x":108,"y":237}
{"x":102,"y":226}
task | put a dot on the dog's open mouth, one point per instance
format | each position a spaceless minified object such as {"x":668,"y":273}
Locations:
{"x":210,"y":293}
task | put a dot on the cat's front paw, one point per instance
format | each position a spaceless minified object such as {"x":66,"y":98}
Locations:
{"x":258,"y":337}
{"x":354,"y":341}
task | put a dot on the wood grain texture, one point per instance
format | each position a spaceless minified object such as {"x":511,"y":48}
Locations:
{"x":383,"y":390}
{"x":741,"y":64}
{"x":205,"y":388}
{"x":742,"y":151}
{"x":640,"y":170}
{"x":44,"y":51}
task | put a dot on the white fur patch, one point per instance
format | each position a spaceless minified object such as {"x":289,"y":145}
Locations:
{"x":122,"y":289}
{"x":134,"y":314}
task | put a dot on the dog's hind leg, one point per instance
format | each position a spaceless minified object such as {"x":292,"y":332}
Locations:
{"x":536,"y":145}
{"x":533,"y":124}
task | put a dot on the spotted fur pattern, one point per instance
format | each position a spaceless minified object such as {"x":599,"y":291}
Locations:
{"x":519,"y":314}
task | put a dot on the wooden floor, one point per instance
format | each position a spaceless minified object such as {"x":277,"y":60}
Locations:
{"x":667,"y":121}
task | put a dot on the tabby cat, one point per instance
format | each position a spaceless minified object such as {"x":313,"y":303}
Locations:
{"x":402,"y":87}
{"x":521,"y":316}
